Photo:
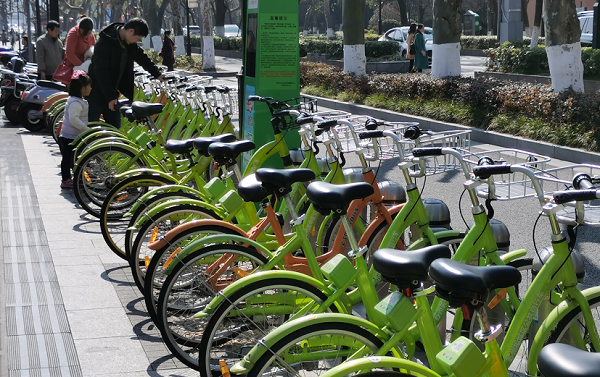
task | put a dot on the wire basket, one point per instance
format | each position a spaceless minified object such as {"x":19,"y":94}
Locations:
{"x":230,"y":101}
{"x":511,"y":185}
{"x":347,"y":136}
{"x":561,"y":178}
{"x":457,"y":139}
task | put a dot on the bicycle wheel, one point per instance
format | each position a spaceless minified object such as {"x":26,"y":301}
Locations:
{"x":248,"y":315}
{"x":142,"y":210}
{"x":191,"y":286}
{"x":92,"y":179}
{"x":572,"y":328}
{"x":119,"y":201}
{"x":155,"y":274}
{"x":315,"y":349}
{"x":156,"y":228}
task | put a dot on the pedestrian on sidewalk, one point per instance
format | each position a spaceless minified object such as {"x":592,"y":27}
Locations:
{"x":168,"y":51}
{"x":74,"y":123}
{"x":112,"y":67}
{"x":421,"y":61}
{"x":410,"y":40}
{"x":49,"y":51}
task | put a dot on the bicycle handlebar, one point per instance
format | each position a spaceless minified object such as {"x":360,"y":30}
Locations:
{"x":561,"y":197}
{"x":582,"y":181}
{"x":370,"y":134}
{"x":427,"y":152}
{"x":487,"y":171}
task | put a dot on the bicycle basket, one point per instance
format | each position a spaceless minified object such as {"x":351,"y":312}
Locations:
{"x":458,"y":139}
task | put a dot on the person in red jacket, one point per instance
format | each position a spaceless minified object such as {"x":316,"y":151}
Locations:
{"x":79,"y":40}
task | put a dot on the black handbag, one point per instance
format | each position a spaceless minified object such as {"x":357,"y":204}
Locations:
{"x":412,"y":50}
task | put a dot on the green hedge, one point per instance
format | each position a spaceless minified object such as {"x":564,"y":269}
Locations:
{"x":373,"y":49}
{"x":523,"y":109}
{"x":516,"y":58}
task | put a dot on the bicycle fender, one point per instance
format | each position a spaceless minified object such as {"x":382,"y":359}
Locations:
{"x":151,"y":193}
{"x":127,"y":147}
{"x":85,"y":134}
{"x":176,"y":202}
{"x":422,"y":242}
{"x":289,"y":327}
{"x":167,"y":238}
{"x":218,"y":238}
{"x":550,"y":323}
{"x":255,"y":277}
{"x":515,"y":254}
{"x":149,"y":172}
{"x":372,"y":362}
{"x":53,"y":99}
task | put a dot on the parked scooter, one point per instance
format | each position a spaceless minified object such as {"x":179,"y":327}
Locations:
{"x":30,"y":114}
{"x":13,"y":83}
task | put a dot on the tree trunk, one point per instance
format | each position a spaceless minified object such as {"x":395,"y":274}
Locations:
{"x":447,"y":24}
{"x":524,"y":15}
{"x":208,"y":43}
{"x":354,"y":37}
{"x":563,"y":45}
{"x":492,"y":6}
{"x":307,"y":18}
{"x":154,"y":14}
{"x":403,"y":12}
{"x":177,"y":22}
{"x":220,"y":11}
{"x":328,"y":19}
{"x":537,"y":20}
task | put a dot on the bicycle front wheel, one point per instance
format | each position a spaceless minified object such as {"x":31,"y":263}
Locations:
{"x":573,"y":330}
{"x":315,"y":349}
{"x":191,"y":286}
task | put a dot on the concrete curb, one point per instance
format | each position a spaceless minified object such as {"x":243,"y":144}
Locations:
{"x":482,"y":136}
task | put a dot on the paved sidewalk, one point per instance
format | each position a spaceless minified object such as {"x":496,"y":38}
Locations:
{"x":70,"y":307}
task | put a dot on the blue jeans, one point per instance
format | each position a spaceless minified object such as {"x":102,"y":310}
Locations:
{"x":111,"y":117}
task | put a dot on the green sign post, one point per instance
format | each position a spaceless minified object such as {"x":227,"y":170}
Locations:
{"x":271,"y":68}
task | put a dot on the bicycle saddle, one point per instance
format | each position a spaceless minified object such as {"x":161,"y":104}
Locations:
{"x":231,"y":150}
{"x":202,"y":143}
{"x":280,"y":180}
{"x":460,"y":283}
{"x":407,"y":269}
{"x":180,"y":146}
{"x":559,"y":360}
{"x":52,"y":84}
{"x":327,"y":197}
{"x":143,"y":109}
{"x":250,"y":189}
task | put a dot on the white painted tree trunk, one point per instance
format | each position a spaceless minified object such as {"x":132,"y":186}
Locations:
{"x":330,"y":32}
{"x":157,"y":42}
{"x":566,"y":68}
{"x":304,"y":33}
{"x":180,"y":43}
{"x":446,"y":60}
{"x":220,"y":31}
{"x":535,"y":34}
{"x":208,"y":53}
{"x":355,"y":60}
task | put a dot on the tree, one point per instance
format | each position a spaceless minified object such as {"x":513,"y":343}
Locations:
{"x":154,"y":14}
{"x":403,"y":12}
{"x":354,"y":37}
{"x":537,"y":23}
{"x":220,"y":11}
{"x":208,"y":43}
{"x":447,"y":24}
{"x":328,"y":18}
{"x":563,"y":45}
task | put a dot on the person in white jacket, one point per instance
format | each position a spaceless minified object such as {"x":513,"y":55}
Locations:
{"x":74,"y":123}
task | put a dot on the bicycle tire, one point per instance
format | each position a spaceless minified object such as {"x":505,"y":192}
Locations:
{"x":186,"y":292}
{"x":270,"y":361}
{"x":159,"y":198}
{"x":245,"y":329}
{"x":383,"y":373}
{"x":130,"y":188}
{"x":155,"y":276}
{"x":156,"y":228}
{"x":559,"y":333}
{"x":91,"y":180}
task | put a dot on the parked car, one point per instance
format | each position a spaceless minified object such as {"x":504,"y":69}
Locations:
{"x":232,"y":31}
{"x":399,"y":34}
{"x":586,"y":21}
{"x":194,"y":30}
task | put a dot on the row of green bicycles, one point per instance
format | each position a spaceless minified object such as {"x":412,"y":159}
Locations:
{"x":317,"y":268}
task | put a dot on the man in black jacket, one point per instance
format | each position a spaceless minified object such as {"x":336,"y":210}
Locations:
{"x":111,"y":70}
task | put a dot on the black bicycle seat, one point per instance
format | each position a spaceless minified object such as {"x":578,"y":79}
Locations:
{"x":281,"y":180}
{"x":202,"y":143}
{"x":250,"y":190}
{"x":327,"y":197}
{"x":144,"y":109}
{"x":559,"y":360}
{"x":180,"y":146}
{"x":407,"y":269}
{"x":230,"y":150}
{"x":460,"y":283}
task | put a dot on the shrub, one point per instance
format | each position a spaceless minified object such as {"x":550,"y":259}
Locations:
{"x":531,"y":110}
{"x":388,"y":24}
{"x":481,"y":42}
{"x":371,"y":37}
{"x":512,"y":58}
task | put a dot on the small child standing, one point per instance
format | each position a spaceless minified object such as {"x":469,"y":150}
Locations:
{"x":74,"y":123}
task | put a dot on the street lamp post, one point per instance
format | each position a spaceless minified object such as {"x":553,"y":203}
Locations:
{"x":380,"y":6}
{"x":187,"y":16}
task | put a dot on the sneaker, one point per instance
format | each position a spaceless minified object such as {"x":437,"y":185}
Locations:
{"x":68,"y":184}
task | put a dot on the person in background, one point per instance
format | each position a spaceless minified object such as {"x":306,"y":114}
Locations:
{"x":410,"y":40}
{"x":79,"y":39}
{"x":168,"y":51}
{"x":49,"y":51}
{"x":112,"y":67}
{"x":13,"y":38}
{"x":25,"y":50}
{"x":421,"y":61}
{"x":74,"y":123}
